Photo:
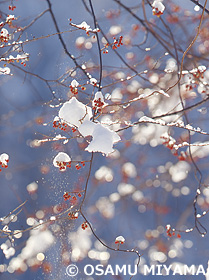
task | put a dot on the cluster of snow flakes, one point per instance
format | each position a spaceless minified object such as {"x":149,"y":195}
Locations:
{"x":98,"y":101}
{"x":85,"y":27}
{"x":146,"y":119}
{"x":4,"y":35}
{"x":163,"y":93}
{"x":93,"y":81}
{"x":158,"y":8}
{"x":61,"y":160}
{"x":103,"y":138}
{"x":178,"y":123}
{"x":23,"y":57}
{"x":119,"y":239}
{"x":200,"y":69}
{"x":74,"y":84}
{"x":10,"y":17}
{"x":74,"y":113}
{"x":4,"y":158}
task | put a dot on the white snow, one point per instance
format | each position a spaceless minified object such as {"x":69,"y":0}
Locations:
{"x":98,"y":95}
{"x":4,"y":71}
{"x":98,"y":102}
{"x":61,"y":157}
{"x":120,"y":239}
{"x":4,"y":158}
{"x":84,"y":25}
{"x":87,"y":128}
{"x":93,"y":81}
{"x":10,"y":17}
{"x":4,"y":33}
{"x":74,"y":112}
{"x":157,"y":5}
{"x":145,"y":119}
{"x":74,"y":84}
{"x":60,"y":160}
{"x":102,"y":137}
{"x":164,"y":93}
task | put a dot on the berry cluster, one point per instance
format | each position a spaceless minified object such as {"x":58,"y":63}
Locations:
{"x":199,"y":73}
{"x":157,"y":13}
{"x":105,"y":51}
{"x":73,"y":216}
{"x":11,"y":8}
{"x":4,"y":36}
{"x":98,"y":104}
{"x":84,"y":225}
{"x":3,"y":165}
{"x":171,"y":232}
{"x":73,"y":90}
{"x":67,"y":196}
{"x":74,"y":87}
{"x":117,"y":43}
{"x":119,"y":240}
{"x":169,"y":143}
{"x":59,"y":124}
{"x":189,"y":87}
{"x":4,"y":159}
{"x":78,"y":166}
{"x":9,"y":19}
{"x":157,"y":8}
{"x":62,"y":165}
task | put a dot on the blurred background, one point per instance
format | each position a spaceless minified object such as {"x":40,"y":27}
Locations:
{"x":135,"y":191}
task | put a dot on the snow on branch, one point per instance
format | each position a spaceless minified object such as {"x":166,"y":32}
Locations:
{"x":179,"y":124}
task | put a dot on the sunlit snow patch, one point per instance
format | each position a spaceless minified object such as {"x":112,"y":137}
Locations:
{"x":102,"y":137}
{"x":74,"y":112}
